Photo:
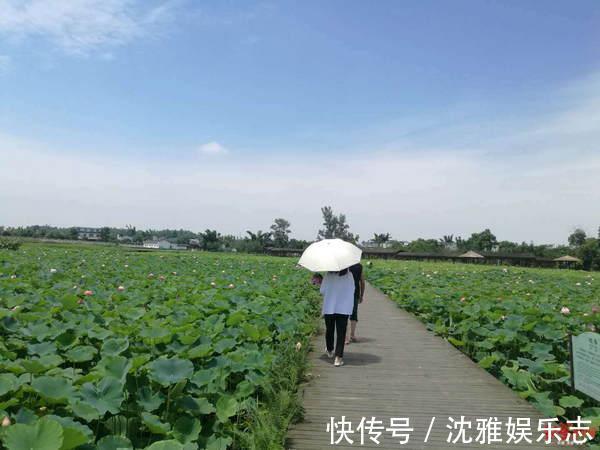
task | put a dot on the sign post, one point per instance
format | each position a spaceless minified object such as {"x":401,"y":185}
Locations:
{"x":585,"y":364}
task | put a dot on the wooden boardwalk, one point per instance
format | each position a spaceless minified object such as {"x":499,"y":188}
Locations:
{"x":400,"y":369}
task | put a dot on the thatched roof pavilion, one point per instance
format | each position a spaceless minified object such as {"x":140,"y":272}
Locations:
{"x":567,"y":258}
{"x":471,"y":254}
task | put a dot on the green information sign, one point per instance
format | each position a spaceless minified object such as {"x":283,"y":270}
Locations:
{"x":585,"y":368}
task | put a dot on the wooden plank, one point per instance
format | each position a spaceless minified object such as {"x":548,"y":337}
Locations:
{"x":400,"y":369}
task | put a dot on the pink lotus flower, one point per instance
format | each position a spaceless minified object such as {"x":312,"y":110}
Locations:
{"x":564,"y":310}
{"x":298,"y":346}
{"x":6,"y":422}
{"x":121,"y":288}
{"x":462,"y":299}
{"x":88,"y":293}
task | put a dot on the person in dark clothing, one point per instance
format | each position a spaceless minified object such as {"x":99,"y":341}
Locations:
{"x":359,"y":291}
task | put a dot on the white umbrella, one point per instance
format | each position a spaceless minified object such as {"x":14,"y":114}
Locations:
{"x":330,"y":255}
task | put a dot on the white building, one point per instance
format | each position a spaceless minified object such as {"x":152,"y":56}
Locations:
{"x":163,"y":244}
{"x":90,"y":234}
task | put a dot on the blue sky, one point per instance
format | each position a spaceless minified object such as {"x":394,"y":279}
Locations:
{"x":277,"y":103}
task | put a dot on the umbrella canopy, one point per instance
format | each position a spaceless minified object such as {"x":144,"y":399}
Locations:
{"x":330,"y":255}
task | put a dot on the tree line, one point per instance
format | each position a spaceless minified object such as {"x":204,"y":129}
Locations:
{"x":334,"y":226}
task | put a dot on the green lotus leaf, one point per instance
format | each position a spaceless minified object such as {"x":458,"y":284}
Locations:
{"x":218,"y":443}
{"x":8,"y":383}
{"x":200,"y":351}
{"x":154,"y":424}
{"x":74,"y":433}
{"x":244,"y":389}
{"x":226,"y":407}
{"x":570,"y":401}
{"x":156,"y":335}
{"x":81,"y":353}
{"x":116,"y":367}
{"x":224,"y":344}
{"x":26,"y":416}
{"x":85,"y":411}
{"x":148,"y":400}
{"x":251,"y":331}
{"x":204,"y":376}
{"x":99,"y":333}
{"x":42,"y":435}
{"x":107,"y":396}
{"x":187,"y":429}
{"x":197,"y":406}
{"x":55,"y":389}
{"x":139,"y":360}
{"x":546,"y":405}
{"x":171,"y":444}
{"x":43,"y":348}
{"x":113,"y":442}
{"x":114,"y":346}
{"x":168,"y":371}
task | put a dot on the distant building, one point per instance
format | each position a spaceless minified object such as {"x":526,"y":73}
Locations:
{"x":163,"y":244}
{"x":124,"y":238}
{"x":88,"y":234}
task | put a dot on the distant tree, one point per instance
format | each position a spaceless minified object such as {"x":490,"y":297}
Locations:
{"x":211,"y":240}
{"x":577,"y":238}
{"x":104,"y":234}
{"x":381,"y":239}
{"x":73,"y":234}
{"x":130,"y":230}
{"x":335,"y":226}
{"x":280,"y":231}
{"x":259,"y":241}
{"x":447,"y":240}
{"x":485,"y":241}
{"x":424,"y":246}
{"x":298,"y":243}
{"x":589,"y":252}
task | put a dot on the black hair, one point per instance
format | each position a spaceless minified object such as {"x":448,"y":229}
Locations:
{"x":341,"y":273}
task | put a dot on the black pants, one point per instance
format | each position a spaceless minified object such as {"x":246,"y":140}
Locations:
{"x":333,"y":323}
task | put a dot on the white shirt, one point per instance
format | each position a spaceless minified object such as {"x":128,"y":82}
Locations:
{"x":338,"y":293}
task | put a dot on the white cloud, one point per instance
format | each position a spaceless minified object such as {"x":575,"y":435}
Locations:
{"x":525,"y":185}
{"x":80,"y":26}
{"x":212,"y":148}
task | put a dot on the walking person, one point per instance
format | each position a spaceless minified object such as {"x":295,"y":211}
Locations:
{"x":338,"y":301}
{"x":359,"y":293}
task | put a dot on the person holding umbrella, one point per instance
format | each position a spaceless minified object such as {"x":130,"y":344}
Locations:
{"x":334,"y":256}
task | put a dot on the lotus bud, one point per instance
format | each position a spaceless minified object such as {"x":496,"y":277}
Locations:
{"x":564,"y":310}
{"x":298,"y":346}
{"x":6,"y":421}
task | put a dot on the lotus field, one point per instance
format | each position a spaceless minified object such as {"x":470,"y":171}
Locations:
{"x":513,"y":321}
{"x":107,"y":349}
